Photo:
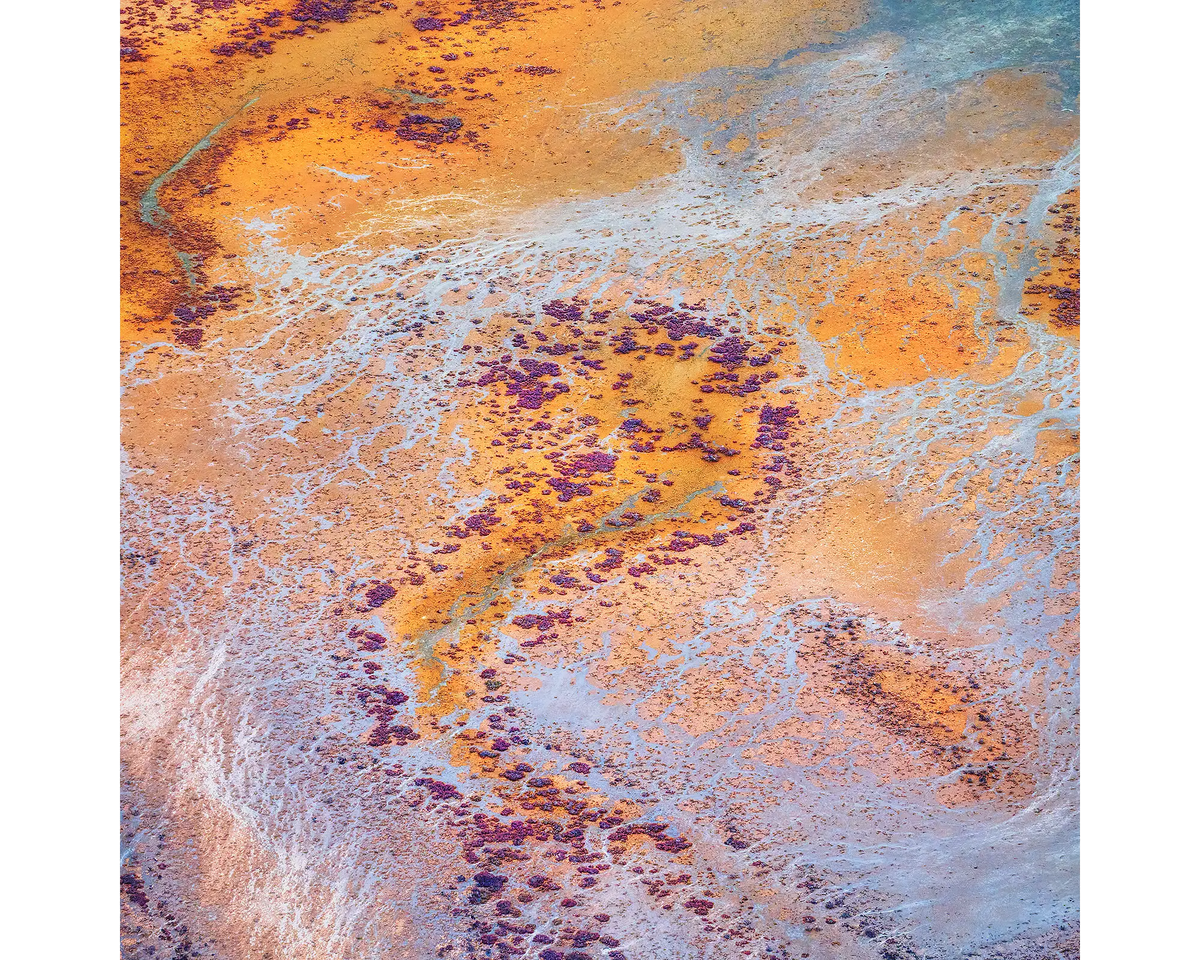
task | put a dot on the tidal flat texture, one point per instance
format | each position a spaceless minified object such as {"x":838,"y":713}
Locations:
{"x":600,"y":479}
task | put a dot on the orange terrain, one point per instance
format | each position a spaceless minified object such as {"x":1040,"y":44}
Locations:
{"x":600,"y":480}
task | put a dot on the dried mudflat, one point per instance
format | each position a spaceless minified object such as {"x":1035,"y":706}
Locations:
{"x":601,"y":481}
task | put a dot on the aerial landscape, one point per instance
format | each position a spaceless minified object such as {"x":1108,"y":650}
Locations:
{"x":599,"y":480}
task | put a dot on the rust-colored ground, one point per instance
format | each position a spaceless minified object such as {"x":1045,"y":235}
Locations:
{"x":600,"y":481}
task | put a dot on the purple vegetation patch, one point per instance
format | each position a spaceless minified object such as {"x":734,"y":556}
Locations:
{"x":379,"y":594}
